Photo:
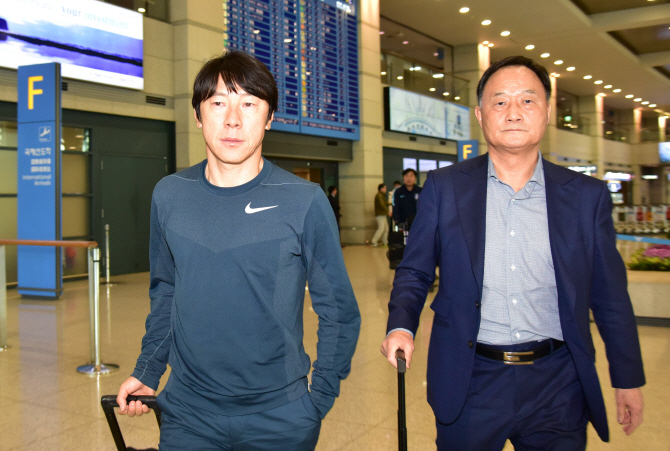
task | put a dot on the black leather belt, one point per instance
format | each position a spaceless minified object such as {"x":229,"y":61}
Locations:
{"x":519,"y":357}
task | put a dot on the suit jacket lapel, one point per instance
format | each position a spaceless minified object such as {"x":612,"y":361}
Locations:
{"x":563,"y":217}
{"x":470,"y":192}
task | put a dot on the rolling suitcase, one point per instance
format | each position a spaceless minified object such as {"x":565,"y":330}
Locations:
{"x":396,"y":250}
{"x":108,"y":403}
{"x":402,"y":416}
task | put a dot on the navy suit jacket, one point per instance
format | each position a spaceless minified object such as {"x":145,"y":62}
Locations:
{"x":449,"y":231}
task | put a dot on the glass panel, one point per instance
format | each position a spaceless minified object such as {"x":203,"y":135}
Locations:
{"x":406,"y":74}
{"x":75,"y":174}
{"x":75,"y":139}
{"x":75,"y":261}
{"x":8,"y":232}
{"x":76,"y":216}
{"x":8,"y":134}
{"x":443,"y":164}
{"x":409,"y":163}
{"x":427,"y":165}
{"x":8,"y":172}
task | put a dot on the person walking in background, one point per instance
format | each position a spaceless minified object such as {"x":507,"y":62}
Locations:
{"x":405,"y":199}
{"x":234,"y":239}
{"x":526,"y":249}
{"x":381,"y":215}
{"x":335,"y":205}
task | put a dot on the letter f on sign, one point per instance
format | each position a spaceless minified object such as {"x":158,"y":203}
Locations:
{"x":467,"y":150}
{"x":32,"y":92}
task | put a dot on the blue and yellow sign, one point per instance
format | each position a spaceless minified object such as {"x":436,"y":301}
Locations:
{"x":39,"y":179}
{"x":468,"y":149}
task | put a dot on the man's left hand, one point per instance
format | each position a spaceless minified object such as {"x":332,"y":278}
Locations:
{"x":629,"y":406}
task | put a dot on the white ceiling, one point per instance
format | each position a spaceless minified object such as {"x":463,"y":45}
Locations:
{"x":559,"y":28}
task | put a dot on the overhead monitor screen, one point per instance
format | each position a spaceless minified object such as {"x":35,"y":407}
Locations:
{"x":664,"y":152}
{"x":92,"y":40}
{"x":408,"y":112}
{"x":311,"y":48}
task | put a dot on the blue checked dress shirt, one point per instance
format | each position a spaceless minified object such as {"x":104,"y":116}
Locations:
{"x":519,"y":299}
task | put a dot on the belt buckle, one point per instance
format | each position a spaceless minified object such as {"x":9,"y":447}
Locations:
{"x":513,"y":358}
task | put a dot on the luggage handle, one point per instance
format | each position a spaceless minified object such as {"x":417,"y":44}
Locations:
{"x":402,"y":422}
{"x":108,"y":403}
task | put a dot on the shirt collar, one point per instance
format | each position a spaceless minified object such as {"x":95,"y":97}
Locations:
{"x":538,"y":173}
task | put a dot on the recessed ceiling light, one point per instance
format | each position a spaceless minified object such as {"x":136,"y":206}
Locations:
{"x":608,"y":86}
{"x":588,"y":77}
{"x":630,"y":96}
{"x":545,"y":55}
{"x":490,"y":44}
{"x":457,"y":98}
{"x":570,"y":69}
{"x":383,"y":73}
{"x":432,"y":89}
{"x":464,"y":10}
{"x":601,"y":94}
{"x":558,"y":62}
{"x":142,"y":10}
{"x":288,"y":40}
{"x":617,"y":90}
{"x":438,"y":75}
{"x":658,"y":111}
{"x":405,"y":42}
{"x":555,"y":74}
{"x":530,"y":47}
{"x":505,"y":33}
{"x":639,"y":99}
{"x":646,"y":102}
{"x":653,"y":105}
{"x":257,"y":31}
{"x":598,"y":82}
{"x":485,"y":42}
{"x":399,"y":77}
{"x":486,"y":22}
{"x":445,"y":94}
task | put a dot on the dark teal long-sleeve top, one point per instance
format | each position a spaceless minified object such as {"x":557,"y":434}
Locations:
{"x":228,"y":274}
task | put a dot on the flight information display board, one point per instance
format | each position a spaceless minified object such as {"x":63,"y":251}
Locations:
{"x":311,"y":47}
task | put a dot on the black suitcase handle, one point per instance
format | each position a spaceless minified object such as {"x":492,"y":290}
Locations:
{"x":402,"y":423}
{"x":108,"y":403}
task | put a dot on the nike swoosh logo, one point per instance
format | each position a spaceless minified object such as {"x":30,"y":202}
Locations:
{"x":248,"y":210}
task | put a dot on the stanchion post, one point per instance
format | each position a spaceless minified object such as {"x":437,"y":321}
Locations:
{"x":96,"y":367}
{"x":3,"y":300}
{"x":107,"y":254}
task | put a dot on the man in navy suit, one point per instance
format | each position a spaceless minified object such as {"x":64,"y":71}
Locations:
{"x":525,"y":249}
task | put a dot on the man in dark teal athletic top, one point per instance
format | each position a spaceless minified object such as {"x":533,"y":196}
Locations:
{"x":234,"y":239}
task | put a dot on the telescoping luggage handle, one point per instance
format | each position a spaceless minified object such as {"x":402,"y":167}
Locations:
{"x":402,"y":424}
{"x":108,"y":403}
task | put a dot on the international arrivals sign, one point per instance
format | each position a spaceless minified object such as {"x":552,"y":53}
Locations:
{"x":39,"y":179}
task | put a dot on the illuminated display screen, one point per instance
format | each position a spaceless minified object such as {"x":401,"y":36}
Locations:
{"x":311,"y":47}
{"x":408,"y":112}
{"x":664,"y":152}
{"x":93,"y":41}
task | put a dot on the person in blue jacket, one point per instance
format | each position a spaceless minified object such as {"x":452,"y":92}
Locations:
{"x":234,"y":239}
{"x":405,"y":199}
{"x":525,"y":249}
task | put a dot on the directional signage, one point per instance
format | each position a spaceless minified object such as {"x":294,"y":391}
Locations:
{"x":39,"y":179}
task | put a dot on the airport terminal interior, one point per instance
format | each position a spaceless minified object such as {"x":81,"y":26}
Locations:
{"x":367,"y":89}
{"x":48,"y":405}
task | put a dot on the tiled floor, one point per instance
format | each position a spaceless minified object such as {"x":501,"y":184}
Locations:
{"x":47,"y":405}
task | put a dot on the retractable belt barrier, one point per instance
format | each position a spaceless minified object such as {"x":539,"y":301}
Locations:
{"x":95,"y":366}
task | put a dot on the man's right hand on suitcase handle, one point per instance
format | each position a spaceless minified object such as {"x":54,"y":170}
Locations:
{"x":132,"y":386}
{"x":398,"y":340}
